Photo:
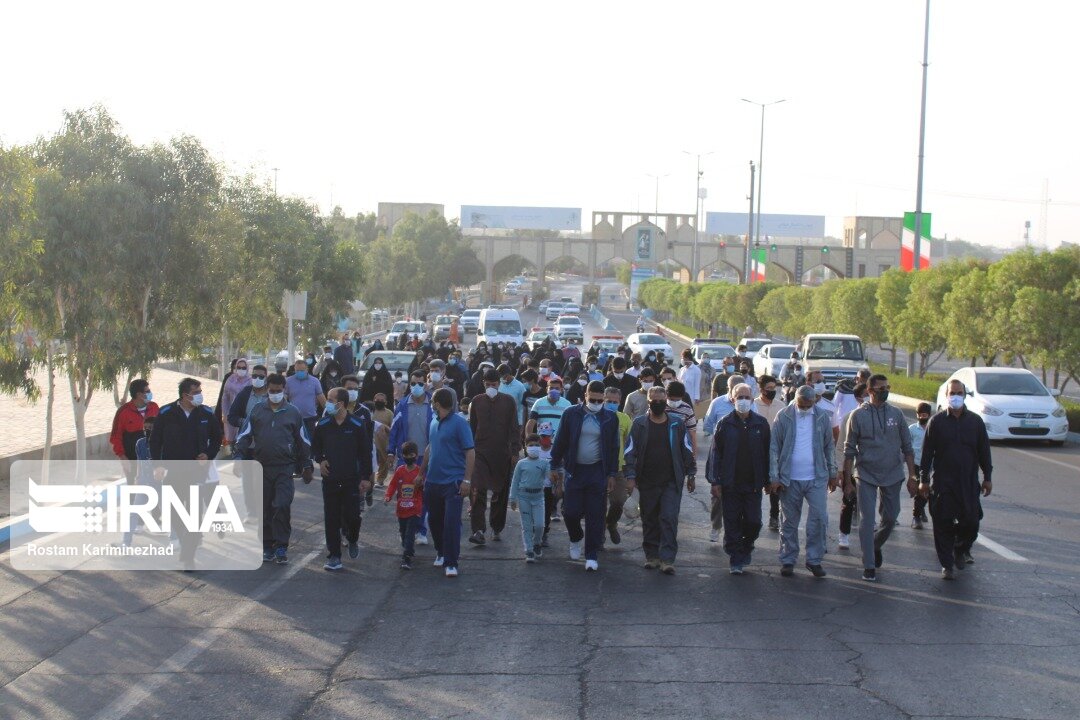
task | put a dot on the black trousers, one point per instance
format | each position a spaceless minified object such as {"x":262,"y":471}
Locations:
{"x":848,"y":505}
{"x":742,"y":524}
{"x":499,"y":500}
{"x":549,"y":508}
{"x":954,"y":528}
{"x":774,"y":506}
{"x":341,"y":509}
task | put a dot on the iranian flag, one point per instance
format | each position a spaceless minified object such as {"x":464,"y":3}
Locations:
{"x":759,"y":258}
{"x":907,"y":242}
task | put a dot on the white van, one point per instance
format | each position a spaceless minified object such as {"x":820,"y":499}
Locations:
{"x":499,"y":325}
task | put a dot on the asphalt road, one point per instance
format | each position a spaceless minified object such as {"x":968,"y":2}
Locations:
{"x":510,"y":640}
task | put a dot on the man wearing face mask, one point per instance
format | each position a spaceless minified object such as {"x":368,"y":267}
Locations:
{"x":802,"y":467}
{"x":878,"y":454}
{"x":816,"y":380}
{"x":918,"y":432}
{"x":659,"y":460}
{"x":955,"y":448}
{"x":128,"y":425}
{"x":275,"y":436}
{"x":305,"y":393}
{"x":446,"y":476}
{"x":186,"y":430}
{"x":594,"y":370}
{"x":616,"y":497}
{"x":493,"y":419}
{"x":746,"y":369}
{"x":437,"y":379}
{"x":621,"y":380}
{"x":344,"y":355}
{"x":342,"y":446}
{"x":637,"y":402}
{"x":455,"y":373}
{"x":584,"y":462}
{"x":849,"y":502}
{"x":514,"y":389}
{"x":722,"y":405}
{"x":738,"y":470}
{"x":239,"y":411}
{"x":412,"y":421}
{"x":635,"y":365}
{"x":690,"y":376}
{"x":548,"y":410}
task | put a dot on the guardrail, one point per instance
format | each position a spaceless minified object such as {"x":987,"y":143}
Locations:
{"x":601,"y":319}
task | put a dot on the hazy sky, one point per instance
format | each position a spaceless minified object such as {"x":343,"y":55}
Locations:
{"x":574,"y":103}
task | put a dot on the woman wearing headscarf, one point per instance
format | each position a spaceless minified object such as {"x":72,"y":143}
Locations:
{"x":377,"y":380}
{"x":238,"y":379}
{"x":331,"y":375}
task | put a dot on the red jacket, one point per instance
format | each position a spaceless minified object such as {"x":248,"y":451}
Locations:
{"x":410,"y":500}
{"x":127,"y":428}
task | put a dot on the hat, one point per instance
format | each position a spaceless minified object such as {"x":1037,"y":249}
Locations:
{"x":545,"y":429}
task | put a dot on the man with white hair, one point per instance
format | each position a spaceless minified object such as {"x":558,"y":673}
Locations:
{"x":721,"y":406}
{"x":801,"y":462}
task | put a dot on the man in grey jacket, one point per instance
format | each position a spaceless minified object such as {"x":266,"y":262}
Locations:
{"x":878,"y":447}
{"x":659,"y":460}
{"x":274,"y":434}
{"x":801,"y":466}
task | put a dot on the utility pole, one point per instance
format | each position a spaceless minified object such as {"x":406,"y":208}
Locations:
{"x":917,"y":260}
{"x":761,"y":161}
{"x":697,"y":211}
{"x":656,"y":216}
{"x":275,"y":179}
{"x":750,"y":229}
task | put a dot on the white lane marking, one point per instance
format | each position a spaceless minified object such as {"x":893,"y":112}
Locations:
{"x":1000,"y":549}
{"x":123,"y":705}
{"x":1046,"y":459}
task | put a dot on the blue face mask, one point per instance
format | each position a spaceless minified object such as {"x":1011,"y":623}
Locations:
{"x":554,"y":395}
{"x":612,"y":406}
{"x":417,"y":390}
{"x":301,"y":374}
{"x":729,"y":368}
{"x":453,"y":362}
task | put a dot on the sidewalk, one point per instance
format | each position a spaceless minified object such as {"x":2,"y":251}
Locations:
{"x":22,"y":424}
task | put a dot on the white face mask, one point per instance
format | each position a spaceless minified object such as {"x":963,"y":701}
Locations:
{"x":276,"y":398}
{"x":436,"y":377}
{"x":582,"y":382}
{"x":533,"y":451}
{"x":595,"y":406}
{"x":673,"y":403}
{"x":196,"y":399}
{"x":619,"y":376}
{"x":646,"y":385}
{"x":241,"y":372}
{"x":258,"y":382}
{"x":491,"y":392}
{"x":353,"y":394}
{"x":743,"y":405}
{"x":819,"y":388}
{"x":956,"y":402}
{"x":544,"y":372}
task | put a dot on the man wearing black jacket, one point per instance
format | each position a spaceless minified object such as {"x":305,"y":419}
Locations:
{"x":186,"y":430}
{"x":342,"y":445}
{"x":619,"y":378}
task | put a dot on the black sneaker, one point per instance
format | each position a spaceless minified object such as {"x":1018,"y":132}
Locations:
{"x":477,"y":538}
{"x":406,"y":563}
{"x":817,"y":570}
{"x":613,"y":531}
{"x":538,"y":551}
{"x":495,"y":536}
{"x":968,"y":560}
{"x":869,"y":575}
{"x":877,"y":557}
{"x":922,"y":516}
{"x":787,"y":570}
{"x":354,"y":550}
{"x":370,"y":500}
{"x":947,"y":574}
{"x":958,"y":558}
{"x":916,"y":523}
{"x":774,"y":524}
{"x":544,"y":540}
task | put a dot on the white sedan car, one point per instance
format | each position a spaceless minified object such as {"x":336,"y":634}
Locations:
{"x":645,"y":343}
{"x":770,"y":358}
{"x":1013,"y":403}
{"x":410,"y":327}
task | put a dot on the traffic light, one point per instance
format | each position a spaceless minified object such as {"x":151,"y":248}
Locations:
{"x":723,"y":244}
{"x":825,"y":249}
{"x":773,"y":247}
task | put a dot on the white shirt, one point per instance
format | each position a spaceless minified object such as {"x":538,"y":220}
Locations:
{"x":844,"y":403}
{"x":829,"y":407}
{"x":802,"y":456}
{"x":633,"y":371}
{"x":690,"y":376}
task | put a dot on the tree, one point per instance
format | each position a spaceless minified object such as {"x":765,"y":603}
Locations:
{"x":893,"y":289}
{"x":968,"y":318}
{"x":622,"y":273}
{"x":853,"y":305}
{"x":821,"y":307}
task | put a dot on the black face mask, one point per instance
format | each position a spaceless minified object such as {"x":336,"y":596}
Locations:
{"x":410,"y":459}
{"x":881,"y":395}
{"x":380,"y":404}
{"x":769,"y":394}
{"x":923,"y":421}
{"x":657,"y":407}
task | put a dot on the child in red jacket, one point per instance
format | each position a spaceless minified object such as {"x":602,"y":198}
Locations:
{"x":410,"y":500}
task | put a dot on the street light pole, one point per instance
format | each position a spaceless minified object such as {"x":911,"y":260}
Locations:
{"x":656,"y":217}
{"x":697,"y":212}
{"x":916,"y":261}
{"x":761,"y":158}
{"x":749,"y":229}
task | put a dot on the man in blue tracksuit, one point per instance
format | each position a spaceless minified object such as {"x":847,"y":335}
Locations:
{"x":412,"y":420}
{"x":446,"y":475}
{"x":584,"y":461}
{"x":342,"y":446}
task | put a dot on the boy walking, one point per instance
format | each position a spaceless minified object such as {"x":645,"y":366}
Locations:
{"x":527,"y":494}
{"x":405,"y":487}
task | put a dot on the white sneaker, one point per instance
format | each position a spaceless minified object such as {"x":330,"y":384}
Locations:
{"x":575,"y":550}
{"x":845,"y":541}
{"x":439,"y":561}
{"x":714,"y":536}
{"x":421,"y":539}
{"x":592,"y":565}
{"x":451,"y":572}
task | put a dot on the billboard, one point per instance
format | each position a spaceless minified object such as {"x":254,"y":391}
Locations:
{"x":638,"y":276}
{"x":907,"y":242}
{"x":520,"y":218}
{"x":643,"y":248}
{"x":772,"y":224}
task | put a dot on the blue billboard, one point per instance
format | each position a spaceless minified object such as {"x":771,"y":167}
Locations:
{"x":772,"y":224}
{"x":520,"y":218}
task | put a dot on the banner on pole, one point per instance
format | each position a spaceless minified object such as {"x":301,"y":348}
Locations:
{"x":907,"y":243}
{"x":759,"y":258}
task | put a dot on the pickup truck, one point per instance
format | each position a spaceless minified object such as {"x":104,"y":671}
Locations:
{"x":836,"y":356}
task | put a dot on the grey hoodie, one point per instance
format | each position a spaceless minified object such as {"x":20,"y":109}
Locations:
{"x":275,"y":437}
{"x":879,"y":440}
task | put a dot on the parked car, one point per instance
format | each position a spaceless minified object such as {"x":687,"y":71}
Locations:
{"x":412,"y":327}
{"x":645,"y":342}
{"x":1013,"y":403}
{"x":753,"y":345}
{"x":770,"y":358}
{"x":442,"y":326}
{"x":469,"y":320}
{"x":716,"y":351}
{"x":569,"y":328}
{"x":394,"y":360}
